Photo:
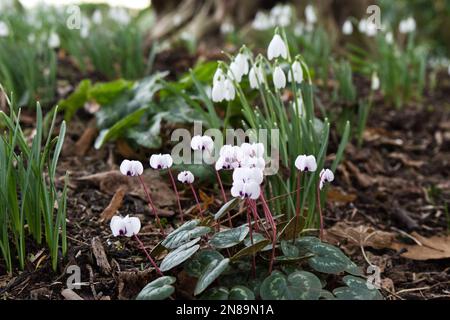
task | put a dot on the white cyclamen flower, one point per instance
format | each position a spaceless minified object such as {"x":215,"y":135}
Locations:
{"x":246,"y":183}
{"x":297,"y":71}
{"x":306,"y":163}
{"x":53,"y":40}
{"x":347,"y":27}
{"x":202,"y":143}
{"x":253,"y":162}
{"x":310,"y":14}
{"x":375,"y":85}
{"x":131,"y":168}
{"x":407,"y":25}
{"x":277,"y":48}
{"x":128,"y":226}
{"x":230,"y":157}
{"x":254,"y":150}
{"x":326,"y":175}
{"x":186,"y":177}
{"x":256,"y":77}
{"x":161,"y":161}
{"x":4,"y":29}
{"x":279,"y":79}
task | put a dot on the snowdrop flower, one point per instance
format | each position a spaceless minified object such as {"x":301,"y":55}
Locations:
{"x":261,"y":21}
{"x":4,"y":29}
{"x":372,"y":29}
{"x":310,"y":14}
{"x":279,"y":79}
{"x":229,"y":90}
{"x":299,"y":109}
{"x":389,"y":37}
{"x":120,"y":15}
{"x":186,"y":177}
{"x":230,"y":157}
{"x":97,"y":17}
{"x":407,"y":25}
{"x":128,"y":226}
{"x":85,"y":28}
{"x":326,"y":175}
{"x":246,"y":183}
{"x":202,"y":143}
{"x":235,"y":72}
{"x":277,"y":48}
{"x":241,"y":61}
{"x":131,"y":168}
{"x":223,"y":87}
{"x":375,"y":85}
{"x":226,"y":27}
{"x":256,"y":76}
{"x":161,"y":161}
{"x":280,"y":15}
{"x":53,"y":40}
{"x":299,"y":29}
{"x":306,"y":163}
{"x":347,"y":27}
{"x":297,"y":71}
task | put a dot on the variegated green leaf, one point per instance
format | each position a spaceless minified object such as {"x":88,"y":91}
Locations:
{"x":158,"y":289}
{"x":229,"y":238}
{"x":211,"y":273}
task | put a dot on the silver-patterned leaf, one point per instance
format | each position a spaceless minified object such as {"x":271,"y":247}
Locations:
{"x":229,"y":238}
{"x":179,"y":255}
{"x":211,"y":273}
{"x":158,"y":289}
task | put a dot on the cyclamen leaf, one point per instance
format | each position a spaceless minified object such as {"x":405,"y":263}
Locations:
{"x":184,"y":234}
{"x":329,"y":259}
{"x":200,"y":261}
{"x":299,"y":285}
{"x":226,"y":207}
{"x":179,"y":255}
{"x":229,"y":238}
{"x":241,"y":293}
{"x":211,"y":273}
{"x":158,"y":289}
{"x":251,"y":250}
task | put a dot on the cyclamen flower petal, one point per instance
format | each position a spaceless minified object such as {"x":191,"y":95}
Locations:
{"x":326,"y":175}
{"x":128,"y":226}
{"x":161,"y":161}
{"x":277,"y":48}
{"x":279,"y":79}
{"x":297,"y":71}
{"x":246,"y":175}
{"x":246,"y":190}
{"x":347,"y":27}
{"x":230,"y":157}
{"x":186,"y":177}
{"x":131,"y":168}
{"x":253,"y":162}
{"x":306,"y":163}
{"x":202,"y":143}
{"x":253,"y":150}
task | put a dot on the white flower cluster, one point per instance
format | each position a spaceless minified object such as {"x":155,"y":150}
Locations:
{"x":407,"y":26}
{"x":4,"y":29}
{"x":279,"y":16}
{"x":369,"y":28}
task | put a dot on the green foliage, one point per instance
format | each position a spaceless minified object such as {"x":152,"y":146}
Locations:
{"x":158,"y":289}
{"x":30,"y":201}
{"x":229,"y":238}
{"x":299,"y":285}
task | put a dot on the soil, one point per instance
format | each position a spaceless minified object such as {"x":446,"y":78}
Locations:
{"x":397,"y":182}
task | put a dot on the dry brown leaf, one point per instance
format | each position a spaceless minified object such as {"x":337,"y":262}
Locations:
{"x":85,"y":142}
{"x":337,"y":195}
{"x":113,"y":206}
{"x":434,"y":248}
{"x":99,"y":252}
{"x":110,"y":181}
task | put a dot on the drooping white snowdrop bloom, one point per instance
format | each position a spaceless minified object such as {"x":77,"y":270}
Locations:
{"x":256,"y":76}
{"x":277,"y":48}
{"x":389,"y":37}
{"x":53,"y":40}
{"x":4,"y":29}
{"x":297,"y":71}
{"x":242,"y":61}
{"x":326,"y":176}
{"x":119,"y":15}
{"x":202,"y":143}
{"x":235,"y":72}
{"x":229,"y":90}
{"x":161,"y":161}
{"x":261,"y":21}
{"x":367,"y":27}
{"x":375,"y":82}
{"x":218,"y":91}
{"x":306,"y":163}
{"x":310,"y":14}
{"x":299,"y":29}
{"x":186,"y":177}
{"x":128,"y":226}
{"x":97,"y":17}
{"x":279,"y":78}
{"x":226,"y":27}
{"x":246,"y":183}
{"x":230,"y":157}
{"x":131,"y":168}
{"x":347,"y":27}
{"x":281,"y":15}
{"x":407,"y":26}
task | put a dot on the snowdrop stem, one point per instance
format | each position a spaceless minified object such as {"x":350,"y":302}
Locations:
{"x":298,"y":206}
{"x":151,"y":204}
{"x":320,"y":212}
{"x":269,"y":217}
{"x":196,"y":200}
{"x":148,"y":255}
{"x":176,"y":193}
{"x":249,"y":219}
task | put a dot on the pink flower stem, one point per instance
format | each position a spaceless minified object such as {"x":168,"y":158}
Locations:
{"x":298,"y":206}
{"x":196,"y":200}
{"x":148,"y":255}
{"x":269,"y":217}
{"x":320,"y":212}
{"x":178,"y":196}
{"x":151,"y":204}
{"x":249,"y":219}
{"x":224,"y":196}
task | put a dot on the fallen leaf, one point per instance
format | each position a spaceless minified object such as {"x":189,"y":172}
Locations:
{"x":113,"y":206}
{"x":99,"y":252}
{"x":434,"y":248}
{"x":337,"y":195}
{"x":86,"y":140}
{"x":69,"y":294}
